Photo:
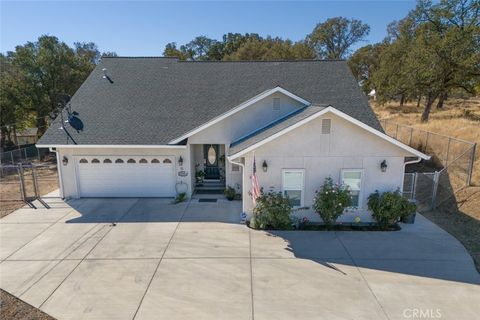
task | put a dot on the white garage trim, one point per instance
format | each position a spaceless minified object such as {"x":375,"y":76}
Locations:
{"x":125,"y":176}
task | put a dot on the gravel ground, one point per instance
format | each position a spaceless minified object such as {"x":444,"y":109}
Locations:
{"x":13,"y":308}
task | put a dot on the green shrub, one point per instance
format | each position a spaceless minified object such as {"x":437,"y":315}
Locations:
{"x":331,"y":201}
{"x":229,"y":193}
{"x":389,"y":207}
{"x":181,"y":197}
{"x":272,"y":211}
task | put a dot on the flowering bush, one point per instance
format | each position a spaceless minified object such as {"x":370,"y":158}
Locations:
{"x":272,"y":211}
{"x":331,"y":201}
{"x":388,"y":207}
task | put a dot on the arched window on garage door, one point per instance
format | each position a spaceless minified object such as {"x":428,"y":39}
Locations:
{"x":95,"y":160}
{"x":143,"y":161}
{"x":155,"y":161}
{"x":131,"y":161}
{"x":83,"y":160}
{"x":167,"y":161}
{"x":107,"y":161}
{"x":119,"y":161}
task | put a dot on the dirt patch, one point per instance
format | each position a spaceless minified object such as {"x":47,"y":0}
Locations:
{"x":10,"y":187}
{"x":13,"y":308}
{"x":460,"y":216}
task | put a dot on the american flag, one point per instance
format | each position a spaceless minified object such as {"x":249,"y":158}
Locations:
{"x":255,"y":186}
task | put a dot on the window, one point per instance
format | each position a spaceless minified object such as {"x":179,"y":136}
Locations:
{"x":235,"y":168}
{"x":119,"y":161}
{"x":83,"y":160}
{"x":143,"y":161}
{"x":353,"y":179}
{"x":95,"y":160}
{"x":107,"y":161}
{"x":131,"y":161}
{"x":293,"y":186}
{"x":326,"y":126}
{"x":155,"y":161}
{"x":167,"y":161}
{"x":276,"y":104}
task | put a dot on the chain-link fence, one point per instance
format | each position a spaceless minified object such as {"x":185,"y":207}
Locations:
{"x":452,"y":159}
{"x":29,"y":153}
{"x":24,"y":183}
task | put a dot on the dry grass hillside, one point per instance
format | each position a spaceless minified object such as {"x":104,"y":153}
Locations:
{"x":461,"y":119}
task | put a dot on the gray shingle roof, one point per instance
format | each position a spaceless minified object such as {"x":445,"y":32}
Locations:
{"x":274,"y":128}
{"x":155,"y":100}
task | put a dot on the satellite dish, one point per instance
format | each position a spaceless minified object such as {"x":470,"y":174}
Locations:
{"x":75,"y":122}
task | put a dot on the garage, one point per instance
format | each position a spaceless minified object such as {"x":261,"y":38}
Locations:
{"x":125,"y":176}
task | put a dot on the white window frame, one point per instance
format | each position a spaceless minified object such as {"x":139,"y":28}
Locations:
{"x":302,"y":198}
{"x":362,"y":179}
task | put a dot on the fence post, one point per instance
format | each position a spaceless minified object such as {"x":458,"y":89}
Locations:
{"x":426,"y":141}
{"x":470,"y":167}
{"x":25,"y":152}
{"x":410,"y":139}
{"x":22,"y":182}
{"x":414,"y":184}
{"x":38,"y":154}
{"x":35,"y":184}
{"x":396,"y":132}
{"x":11,"y":157}
{"x":434,"y":191}
{"x":448,"y":150}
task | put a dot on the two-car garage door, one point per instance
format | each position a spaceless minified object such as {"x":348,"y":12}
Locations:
{"x":126,"y":176}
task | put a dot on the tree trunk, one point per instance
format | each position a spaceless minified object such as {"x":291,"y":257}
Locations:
{"x":3,"y":138}
{"x":441,"y":100}
{"x":418,"y":101}
{"x":428,"y":106}
{"x":14,"y":133}
{"x":402,"y":100}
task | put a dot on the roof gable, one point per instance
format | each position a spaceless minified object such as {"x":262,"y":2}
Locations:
{"x":239,"y":108}
{"x":262,"y":137}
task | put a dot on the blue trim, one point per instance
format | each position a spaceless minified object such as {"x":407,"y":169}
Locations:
{"x":268,"y":126}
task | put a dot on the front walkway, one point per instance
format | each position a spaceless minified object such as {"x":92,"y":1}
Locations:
{"x":194,"y":261}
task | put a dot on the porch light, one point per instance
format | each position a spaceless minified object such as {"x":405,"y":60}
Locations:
{"x":180,"y":161}
{"x":383,"y":166}
{"x":264,"y":166}
{"x":65,"y":160}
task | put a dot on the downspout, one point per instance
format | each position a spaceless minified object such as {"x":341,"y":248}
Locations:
{"x":405,"y":166}
{"x":59,"y":170}
{"x":243,"y":179}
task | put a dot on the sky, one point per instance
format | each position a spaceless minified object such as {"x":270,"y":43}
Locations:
{"x":142,"y":28}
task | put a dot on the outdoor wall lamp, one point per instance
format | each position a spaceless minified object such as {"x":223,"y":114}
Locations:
{"x":180,"y":161}
{"x":383,"y":166}
{"x":65,"y":160}
{"x":264,"y":166}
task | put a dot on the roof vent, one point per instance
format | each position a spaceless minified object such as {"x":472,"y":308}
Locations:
{"x":326,"y":126}
{"x":106,"y":76}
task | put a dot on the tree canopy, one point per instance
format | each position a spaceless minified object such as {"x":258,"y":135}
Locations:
{"x":32,"y":77}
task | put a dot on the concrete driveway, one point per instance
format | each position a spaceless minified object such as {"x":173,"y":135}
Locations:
{"x":194,"y":261}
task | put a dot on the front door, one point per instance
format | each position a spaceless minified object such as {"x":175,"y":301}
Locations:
{"x":210,"y":156}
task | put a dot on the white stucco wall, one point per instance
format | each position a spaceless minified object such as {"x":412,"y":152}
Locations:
{"x":325,"y":155}
{"x":246,"y":121}
{"x":68,"y":172}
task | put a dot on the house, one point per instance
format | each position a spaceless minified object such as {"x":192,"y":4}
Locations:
{"x":27,"y":136}
{"x":150,"y":124}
